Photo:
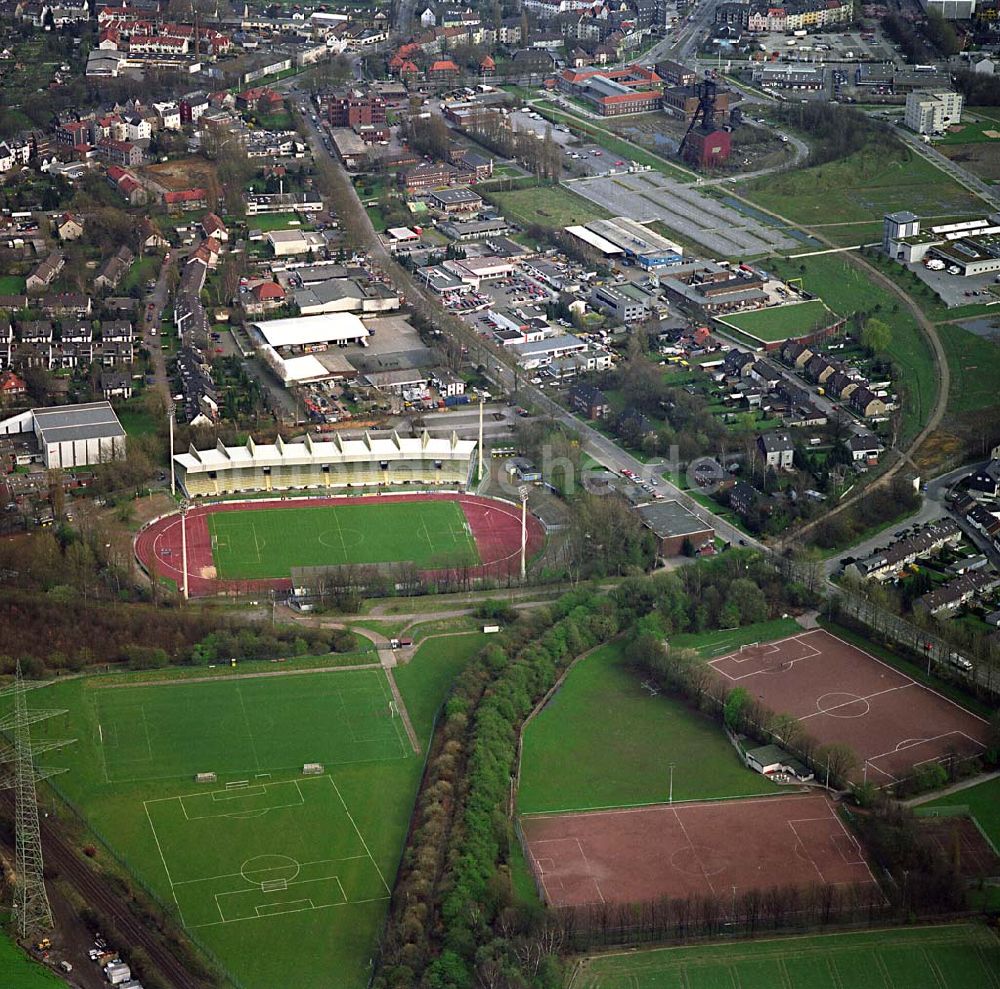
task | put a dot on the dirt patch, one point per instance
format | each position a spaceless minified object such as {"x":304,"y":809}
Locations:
{"x":182,"y":174}
{"x":980,"y":159}
{"x":678,"y":850}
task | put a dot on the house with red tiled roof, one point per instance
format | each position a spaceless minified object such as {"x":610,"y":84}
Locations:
{"x":128,"y":186}
{"x":487,"y":67}
{"x":212,"y":226}
{"x":13,"y":388}
{"x":443,"y":72}
{"x":185,"y":198}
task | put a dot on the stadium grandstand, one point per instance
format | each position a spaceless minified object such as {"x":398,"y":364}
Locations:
{"x":373,"y":459}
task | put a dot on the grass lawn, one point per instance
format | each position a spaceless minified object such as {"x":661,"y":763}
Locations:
{"x":725,"y":640}
{"x":783,"y":322}
{"x":269,"y":542}
{"x":20,"y":972}
{"x":605,"y":741}
{"x":301,"y":864}
{"x":135,"y":418}
{"x":973,"y":361}
{"x":860,"y":188}
{"x":276,"y":221}
{"x":970,"y":131}
{"x":954,"y":956}
{"x":983,"y":802}
{"x":547,"y":206}
{"x":846,"y":289}
{"x":11,"y":285}
{"x":140,"y":273}
{"x":426,"y":679}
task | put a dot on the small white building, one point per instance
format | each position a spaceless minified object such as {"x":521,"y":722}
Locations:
{"x":288,"y":242}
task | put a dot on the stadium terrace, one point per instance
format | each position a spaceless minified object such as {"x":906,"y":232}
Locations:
{"x":369,"y":461}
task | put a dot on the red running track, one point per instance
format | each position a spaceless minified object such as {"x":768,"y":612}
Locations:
{"x":495,"y":527}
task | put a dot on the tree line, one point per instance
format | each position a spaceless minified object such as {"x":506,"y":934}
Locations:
{"x":455,"y":919}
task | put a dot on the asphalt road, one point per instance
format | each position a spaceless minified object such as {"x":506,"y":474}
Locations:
{"x":150,"y":322}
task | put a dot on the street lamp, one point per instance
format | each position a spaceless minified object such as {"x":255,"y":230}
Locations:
{"x":671,"y":796}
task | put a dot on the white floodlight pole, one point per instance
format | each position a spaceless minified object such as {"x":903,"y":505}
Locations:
{"x":524,"y":527}
{"x":481,"y":403}
{"x":173,"y":479}
{"x":184,"y":549}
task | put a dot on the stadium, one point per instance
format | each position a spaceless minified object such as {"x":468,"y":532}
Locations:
{"x":354,"y":515}
{"x":372,"y":460}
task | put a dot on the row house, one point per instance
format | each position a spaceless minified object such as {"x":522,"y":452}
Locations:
{"x":122,"y":153}
{"x":45,"y":272}
{"x":128,"y":186}
{"x":114,"y":269}
{"x":60,"y":304}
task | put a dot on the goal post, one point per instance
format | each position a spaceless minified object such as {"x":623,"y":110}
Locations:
{"x":312,"y":769}
{"x":207,"y":778}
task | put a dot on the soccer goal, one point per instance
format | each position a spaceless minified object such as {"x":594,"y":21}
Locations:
{"x":312,"y":769}
{"x":207,"y":778}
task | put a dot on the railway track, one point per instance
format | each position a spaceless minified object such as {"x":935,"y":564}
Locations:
{"x":61,"y":856}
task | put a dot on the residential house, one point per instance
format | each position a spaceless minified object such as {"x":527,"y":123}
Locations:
{"x":60,"y":304}
{"x":116,"y":384}
{"x":150,"y":238}
{"x":777,"y":449}
{"x":796,"y":354}
{"x":744,"y":498}
{"x":866,"y":403}
{"x":128,"y":186}
{"x":70,"y":226}
{"x":887,"y":562}
{"x":957,"y":592}
{"x":865,"y":448}
{"x":45,"y":272}
{"x":589,"y":401}
{"x":13,"y":388}
{"x":114,"y":269}
{"x":212,"y":226}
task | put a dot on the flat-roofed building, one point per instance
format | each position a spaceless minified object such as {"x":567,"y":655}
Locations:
{"x":673,"y":526}
{"x":72,"y":435}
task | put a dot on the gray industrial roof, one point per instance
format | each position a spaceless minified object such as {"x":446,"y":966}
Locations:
{"x":670,"y":518}
{"x":62,"y":424}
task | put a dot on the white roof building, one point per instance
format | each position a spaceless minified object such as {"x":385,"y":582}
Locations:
{"x":373,"y":459}
{"x":312,"y":331}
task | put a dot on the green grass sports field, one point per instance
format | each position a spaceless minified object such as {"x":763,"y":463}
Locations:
{"x":605,"y":740}
{"x":783,"y":322}
{"x":960,"y":956}
{"x":983,"y":802}
{"x":262,"y":543}
{"x":283,"y":877}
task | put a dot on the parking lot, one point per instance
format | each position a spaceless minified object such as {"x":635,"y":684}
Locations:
{"x":646,"y":196}
{"x":830,"y":46}
{"x":579,"y":158}
{"x":955,"y":290}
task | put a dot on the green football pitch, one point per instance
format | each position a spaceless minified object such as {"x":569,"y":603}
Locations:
{"x":783,"y":322}
{"x":282,"y":876}
{"x":960,"y":956}
{"x":240,"y":726}
{"x":268,"y":542}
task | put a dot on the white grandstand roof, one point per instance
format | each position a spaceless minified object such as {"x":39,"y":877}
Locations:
{"x":339,"y":327}
{"x":595,"y":240}
{"x":370,"y":448}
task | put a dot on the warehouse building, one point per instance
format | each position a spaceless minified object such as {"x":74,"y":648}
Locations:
{"x":673,"y":525}
{"x":644,"y":246}
{"x":72,"y":435}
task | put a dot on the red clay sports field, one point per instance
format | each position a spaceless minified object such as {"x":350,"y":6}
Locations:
{"x":495,"y":527}
{"x":842,"y":694}
{"x":674,"y":850}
